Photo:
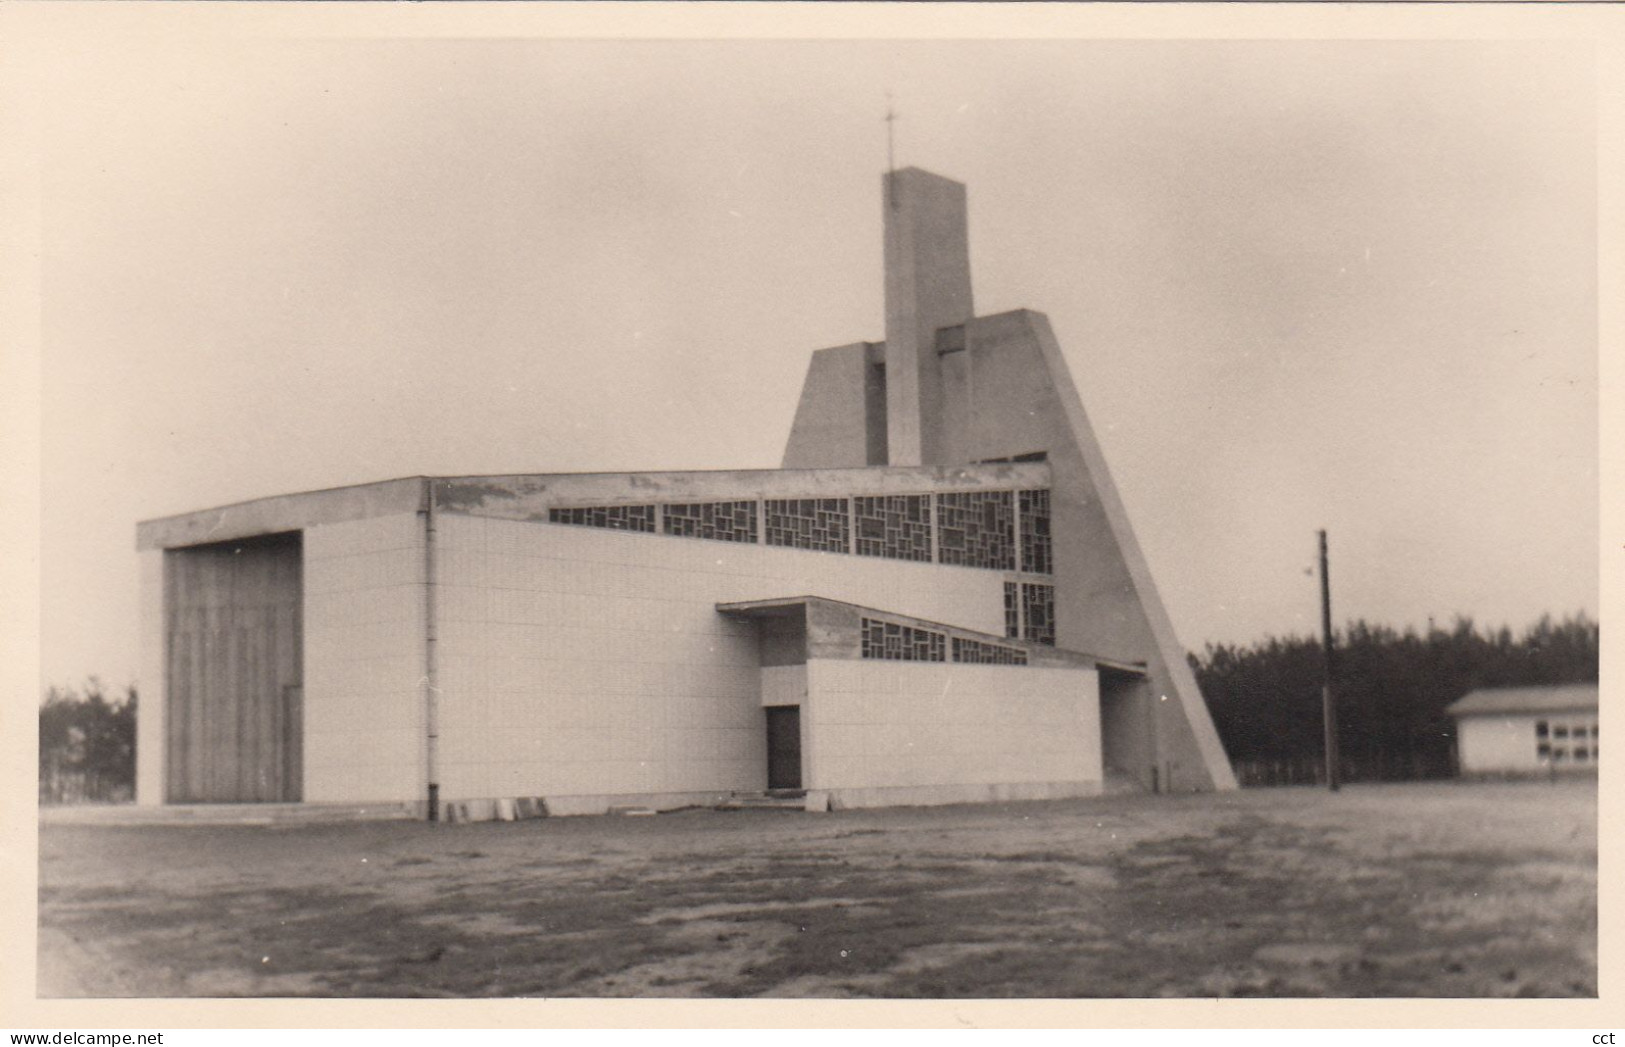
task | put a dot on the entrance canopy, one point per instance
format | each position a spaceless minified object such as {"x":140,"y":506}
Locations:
{"x":801,"y":627}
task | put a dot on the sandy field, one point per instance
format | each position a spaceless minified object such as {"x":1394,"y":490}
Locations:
{"x":1438,"y":890}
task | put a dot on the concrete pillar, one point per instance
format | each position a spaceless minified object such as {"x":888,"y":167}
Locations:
{"x":927,"y":287}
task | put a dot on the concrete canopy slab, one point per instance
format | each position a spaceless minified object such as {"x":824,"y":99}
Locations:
{"x":822,"y":609}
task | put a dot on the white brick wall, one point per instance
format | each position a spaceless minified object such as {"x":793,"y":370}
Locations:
{"x":581,"y":661}
{"x":573,"y":661}
{"x":882,"y":724}
{"x":364,"y":660}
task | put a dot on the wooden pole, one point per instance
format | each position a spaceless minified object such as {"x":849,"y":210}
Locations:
{"x":431,"y":653}
{"x":1328,"y":701}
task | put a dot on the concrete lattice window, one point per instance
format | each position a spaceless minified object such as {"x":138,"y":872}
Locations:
{"x":614,"y":517}
{"x":1038,"y":612}
{"x":977,"y":529}
{"x":895,"y":526}
{"x":895,"y":642}
{"x":809,"y":523}
{"x":721,"y":521}
{"x":1036,"y":552}
{"x":1012,"y":610}
{"x":979,"y":653}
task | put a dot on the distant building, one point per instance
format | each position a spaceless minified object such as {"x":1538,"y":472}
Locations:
{"x":937,"y":599}
{"x":1518,"y":730}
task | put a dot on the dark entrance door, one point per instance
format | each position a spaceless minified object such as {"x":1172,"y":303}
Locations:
{"x":784,"y":747}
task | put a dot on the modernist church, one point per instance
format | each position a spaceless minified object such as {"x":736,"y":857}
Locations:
{"x":937,"y":598}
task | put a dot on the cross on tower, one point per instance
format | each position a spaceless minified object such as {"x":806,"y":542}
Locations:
{"x":891,"y":118}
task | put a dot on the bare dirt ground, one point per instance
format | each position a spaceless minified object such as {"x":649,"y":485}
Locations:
{"x":1406,"y":890}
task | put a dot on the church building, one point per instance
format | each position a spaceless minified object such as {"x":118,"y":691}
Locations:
{"x":937,"y":598}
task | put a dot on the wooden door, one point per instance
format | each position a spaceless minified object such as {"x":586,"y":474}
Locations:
{"x":784,"y":747}
{"x":234,"y":648}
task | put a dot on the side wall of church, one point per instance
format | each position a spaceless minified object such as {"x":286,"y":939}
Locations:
{"x":590,"y":666}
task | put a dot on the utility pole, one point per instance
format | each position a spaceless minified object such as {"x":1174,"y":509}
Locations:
{"x":1328,"y":702}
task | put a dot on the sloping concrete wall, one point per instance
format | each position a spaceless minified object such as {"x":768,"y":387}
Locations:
{"x":841,"y":419}
{"x":1011,"y":393}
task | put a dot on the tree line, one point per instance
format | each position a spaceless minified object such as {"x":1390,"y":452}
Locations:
{"x":87,"y":745}
{"x":1392,"y":689}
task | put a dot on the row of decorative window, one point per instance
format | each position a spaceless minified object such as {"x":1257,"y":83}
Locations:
{"x":973,"y":528}
{"x":1029,"y":611}
{"x":981,"y":653}
{"x":893,"y":641}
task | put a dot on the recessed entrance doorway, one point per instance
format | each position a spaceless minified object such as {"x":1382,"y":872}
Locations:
{"x":783,"y":746}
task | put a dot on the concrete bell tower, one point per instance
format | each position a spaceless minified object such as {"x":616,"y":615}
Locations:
{"x":927,"y":288}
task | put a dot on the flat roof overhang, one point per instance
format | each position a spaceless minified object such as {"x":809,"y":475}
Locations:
{"x":529,"y":496}
{"x":791,"y":606}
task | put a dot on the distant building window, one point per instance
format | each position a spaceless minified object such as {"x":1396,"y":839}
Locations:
{"x":1560,"y":731}
{"x":1544,"y":750}
{"x":1542,"y":729}
{"x":1012,"y":610}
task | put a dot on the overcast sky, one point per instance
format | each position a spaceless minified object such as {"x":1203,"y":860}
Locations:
{"x":1348,"y":285}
